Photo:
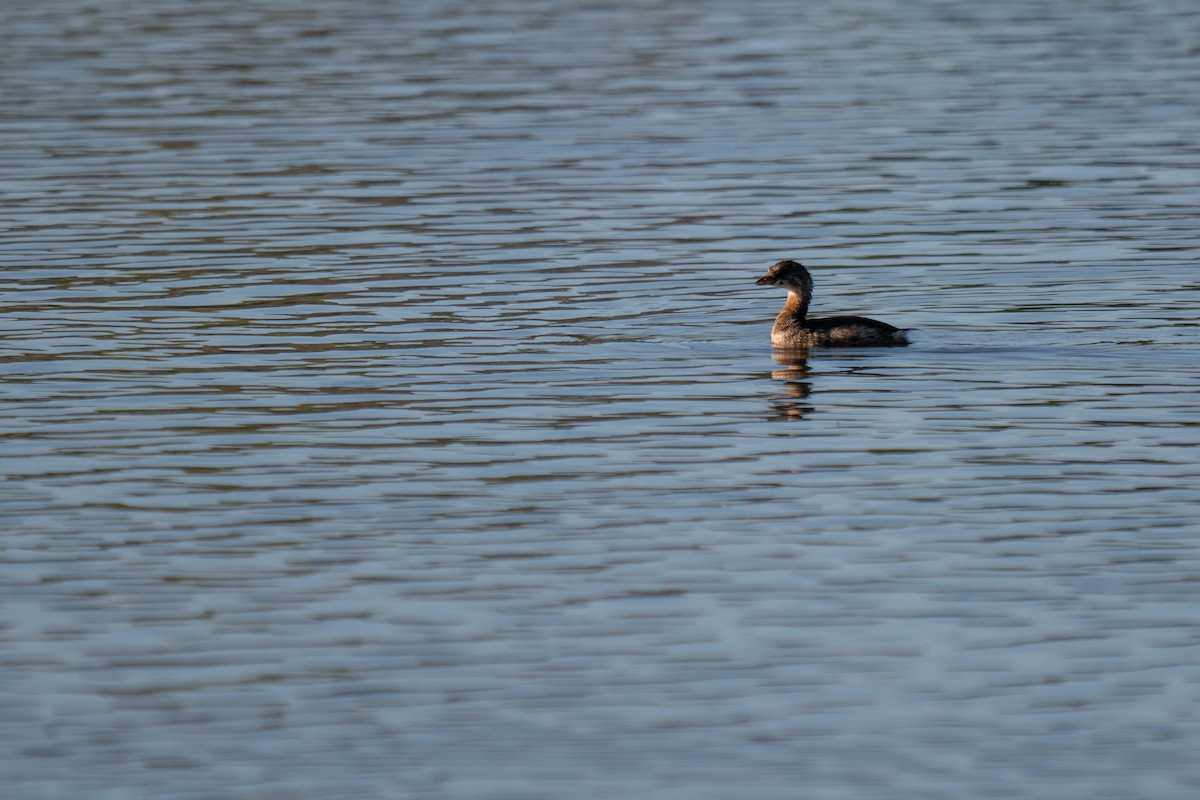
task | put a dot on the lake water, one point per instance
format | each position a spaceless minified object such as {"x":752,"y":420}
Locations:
{"x":389,"y":410}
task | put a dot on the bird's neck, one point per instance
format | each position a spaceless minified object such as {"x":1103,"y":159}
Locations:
{"x":796,"y":306}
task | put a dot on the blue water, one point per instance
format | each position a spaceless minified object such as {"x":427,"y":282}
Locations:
{"x":389,"y":409}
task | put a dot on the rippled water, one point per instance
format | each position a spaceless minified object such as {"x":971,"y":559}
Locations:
{"x":389,"y":411}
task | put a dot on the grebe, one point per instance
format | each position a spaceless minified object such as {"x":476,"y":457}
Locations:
{"x":793,"y":328}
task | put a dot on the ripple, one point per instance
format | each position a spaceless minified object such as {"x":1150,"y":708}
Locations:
{"x":387,"y":382}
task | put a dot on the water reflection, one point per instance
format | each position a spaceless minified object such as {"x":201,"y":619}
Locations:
{"x":793,"y":373}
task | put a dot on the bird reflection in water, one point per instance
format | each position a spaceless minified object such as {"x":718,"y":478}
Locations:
{"x":793,"y":372}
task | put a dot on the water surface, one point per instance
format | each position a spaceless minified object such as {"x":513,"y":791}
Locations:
{"x":389,"y":410}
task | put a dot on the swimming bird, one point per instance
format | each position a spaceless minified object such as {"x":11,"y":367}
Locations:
{"x":794,"y":328}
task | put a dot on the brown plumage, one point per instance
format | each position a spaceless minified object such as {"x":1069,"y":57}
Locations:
{"x":793,"y":328}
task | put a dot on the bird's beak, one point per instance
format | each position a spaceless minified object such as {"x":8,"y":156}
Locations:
{"x":764,"y":281}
